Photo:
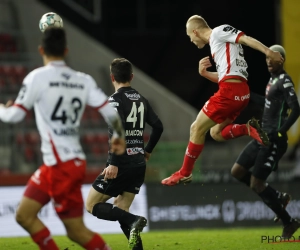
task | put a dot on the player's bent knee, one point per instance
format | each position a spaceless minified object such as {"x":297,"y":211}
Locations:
{"x":89,"y":207}
{"x":196,"y":129}
{"x":216,"y":135}
{"x":23,"y":219}
{"x":237,"y":171}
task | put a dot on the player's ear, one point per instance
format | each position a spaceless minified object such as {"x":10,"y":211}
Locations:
{"x":41,"y":50}
{"x":112,"y":77}
{"x":195,"y":32}
{"x":131,"y":77}
{"x":66,"y":51}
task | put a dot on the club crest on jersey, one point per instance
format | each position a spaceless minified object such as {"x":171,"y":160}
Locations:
{"x":66,"y":76}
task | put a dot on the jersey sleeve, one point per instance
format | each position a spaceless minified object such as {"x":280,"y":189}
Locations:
{"x":116,"y":102}
{"x":227,"y":33}
{"x":28,"y":93}
{"x":96,"y":97}
{"x":287,"y":87}
{"x":151,"y":115}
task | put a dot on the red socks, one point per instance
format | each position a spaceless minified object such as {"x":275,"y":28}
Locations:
{"x":191,"y":155}
{"x":95,"y":243}
{"x":44,"y":240}
{"x":232,"y":131}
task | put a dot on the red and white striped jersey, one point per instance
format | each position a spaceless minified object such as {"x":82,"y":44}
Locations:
{"x":227,"y":53}
{"x":59,"y":95}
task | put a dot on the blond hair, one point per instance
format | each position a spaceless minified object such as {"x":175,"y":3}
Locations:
{"x":197,"y":21}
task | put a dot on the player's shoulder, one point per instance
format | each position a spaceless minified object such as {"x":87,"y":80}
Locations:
{"x":221,"y":28}
{"x":285,"y":79}
{"x":34,"y":74}
{"x":83,"y":75}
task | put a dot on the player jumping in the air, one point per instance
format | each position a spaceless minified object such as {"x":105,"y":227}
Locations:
{"x":232,"y":97}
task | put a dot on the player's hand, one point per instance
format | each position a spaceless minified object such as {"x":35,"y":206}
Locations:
{"x":147,"y":156}
{"x":110,"y":172}
{"x":204,"y":63}
{"x":118,"y":145}
{"x":276,"y":56}
{"x":9,"y":103}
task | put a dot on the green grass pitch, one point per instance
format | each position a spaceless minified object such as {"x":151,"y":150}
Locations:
{"x":194,"y":239}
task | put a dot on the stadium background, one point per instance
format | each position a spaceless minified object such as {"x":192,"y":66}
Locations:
{"x":151,"y":34}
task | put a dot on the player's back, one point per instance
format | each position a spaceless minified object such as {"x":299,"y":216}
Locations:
{"x":134,"y":111}
{"x":59,"y":95}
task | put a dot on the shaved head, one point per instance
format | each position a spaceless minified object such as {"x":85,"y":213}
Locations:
{"x":196,"y":22}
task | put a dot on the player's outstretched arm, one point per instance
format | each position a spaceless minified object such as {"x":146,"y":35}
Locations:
{"x":113,"y":119}
{"x":205,"y":63}
{"x":10,"y":113}
{"x":255,"y":44}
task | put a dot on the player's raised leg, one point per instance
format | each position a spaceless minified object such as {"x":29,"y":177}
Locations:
{"x":232,"y":131}
{"x":198,"y":131}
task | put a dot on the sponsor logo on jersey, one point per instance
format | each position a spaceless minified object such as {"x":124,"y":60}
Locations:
{"x":114,"y":104}
{"x":241,"y":63}
{"x":67,"y":85}
{"x":100,"y":186}
{"x":243,"y":72}
{"x":281,"y":76}
{"x":241,"y":98}
{"x":111,"y":98}
{"x":134,"y":132}
{"x":134,"y":151}
{"x":289,"y":84}
{"x":134,"y":141}
{"x":134,"y":96}
{"x":66,"y":131}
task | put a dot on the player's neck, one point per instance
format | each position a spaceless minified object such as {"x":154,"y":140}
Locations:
{"x":48,"y":59}
{"x":206,"y":34}
{"x":121,"y":85}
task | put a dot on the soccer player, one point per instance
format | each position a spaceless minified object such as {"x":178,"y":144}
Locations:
{"x":232,"y":97}
{"x":59,"y":95}
{"x":280,"y":98}
{"x":124,"y":174}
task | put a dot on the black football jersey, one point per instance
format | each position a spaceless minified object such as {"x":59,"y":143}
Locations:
{"x":280,"y":93}
{"x":135,"y":111}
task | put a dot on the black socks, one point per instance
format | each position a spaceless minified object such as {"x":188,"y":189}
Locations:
{"x":107,"y":211}
{"x":271,"y":198}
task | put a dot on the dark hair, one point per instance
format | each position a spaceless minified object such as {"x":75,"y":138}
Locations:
{"x":54,"y":41}
{"x":121,"y":69}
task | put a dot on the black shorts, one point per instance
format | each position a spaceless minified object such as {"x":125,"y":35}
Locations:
{"x":263,"y":159}
{"x":129,"y":179}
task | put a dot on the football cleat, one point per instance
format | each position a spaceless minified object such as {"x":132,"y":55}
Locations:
{"x":285,"y":199}
{"x":290,"y":229}
{"x":135,"y":229}
{"x":255,"y":131}
{"x":176,"y":178}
